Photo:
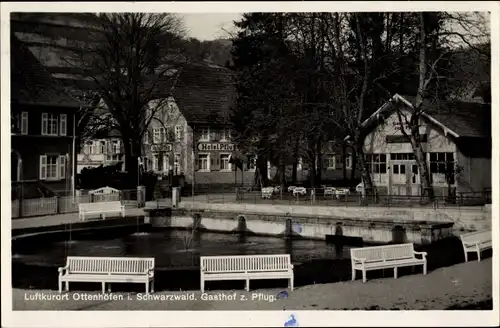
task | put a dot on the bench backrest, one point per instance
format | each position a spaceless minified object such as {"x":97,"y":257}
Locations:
{"x":240,"y":263}
{"x":477,"y":236}
{"x":130,"y":265}
{"x":98,"y":206}
{"x":383,"y":253}
{"x":267,"y":190}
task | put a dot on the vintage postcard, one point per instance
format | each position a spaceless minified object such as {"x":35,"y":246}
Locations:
{"x":250,"y":164}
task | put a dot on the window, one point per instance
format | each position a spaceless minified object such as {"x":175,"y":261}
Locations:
{"x":205,"y":134}
{"x":86,"y":148}
{"x":116,"y":147}
{"x":179,"y":132}
{"x":146,"y":137}
{"x":114,"y":151}
{"x":165,"y":162}
{"x":224,"y":162}
{"x":225,"y":135}
{"x":24,"y":123}
{"x":203,"y":162}
{"x":441,"y":162}
{"x":159,"y":135}
{"x":403,"y":157}
{"x":52,"y":167}
{"x":376,"y":163}
{"x":299,"y":164}
{"x":330,"y":162}
{"x":49,"y":124}
{"x":97,"y":147}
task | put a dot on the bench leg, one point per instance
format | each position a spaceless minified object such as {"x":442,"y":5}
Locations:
{"x":60,"y":286}
{"x":103,"y":287}
{"x":290,"y":283}
{"x":395,"y":272}
{"x":478,"y":255}
{"x":247,"y":287}
{"x":466,"y":257}
{"x":109,"y":288}
{"x":152,"y":286}
{"x":66,"y":286}
{"x":202,"y":285}
{"x":147,"y":287}
{"x":353,"y":271}
{"x":425,"y":268}
{"x":364,"y":275}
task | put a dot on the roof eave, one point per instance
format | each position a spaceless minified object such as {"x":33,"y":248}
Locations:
{"x":398,"y":97}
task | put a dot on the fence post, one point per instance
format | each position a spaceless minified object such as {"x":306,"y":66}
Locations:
{"x":57,"y":204}
{"x":20,"y":202}
{"x":141,"y":196}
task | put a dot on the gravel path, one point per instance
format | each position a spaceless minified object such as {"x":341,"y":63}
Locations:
{"x":461,"y":284}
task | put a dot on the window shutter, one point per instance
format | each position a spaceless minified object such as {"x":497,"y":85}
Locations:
{"x":43,"y":167}
{"x":62,"y":167}
{"x":155,"y":162}
{"x":63,"y":125}
{"x":165,"y":163}
{"x":45,"y":123}
{"x":24,"y":123}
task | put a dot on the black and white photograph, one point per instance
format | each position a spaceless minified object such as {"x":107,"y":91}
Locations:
{"x":302,"y":161}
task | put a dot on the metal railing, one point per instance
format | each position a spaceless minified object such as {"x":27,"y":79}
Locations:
{"x":69,"y":204}
{"x":319,"y":198}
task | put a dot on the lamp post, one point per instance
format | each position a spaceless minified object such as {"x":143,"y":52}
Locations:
{"x":139,"y":165}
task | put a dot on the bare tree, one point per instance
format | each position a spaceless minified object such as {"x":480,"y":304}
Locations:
{"x":132,"y":61}
{"x":438,"y":35}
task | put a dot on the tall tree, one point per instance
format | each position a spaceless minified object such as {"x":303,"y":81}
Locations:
{"x":264,"y":97}
{"x":130,"y":60}
{"x":437,"y":35}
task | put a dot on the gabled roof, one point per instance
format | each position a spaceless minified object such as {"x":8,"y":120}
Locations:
{"x":204,"y":93}
{"x":31,"y":83}
{"x":459,"y":118}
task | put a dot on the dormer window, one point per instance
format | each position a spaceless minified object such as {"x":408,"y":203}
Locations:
{"x":205,"y":134}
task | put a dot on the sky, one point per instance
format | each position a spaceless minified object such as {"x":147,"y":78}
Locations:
{"x":209,"y":26}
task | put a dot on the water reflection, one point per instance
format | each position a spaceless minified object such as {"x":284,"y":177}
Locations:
{"x":170,"y":250}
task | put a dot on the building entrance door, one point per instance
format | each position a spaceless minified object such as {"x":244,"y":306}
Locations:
{"x":398,"y":179}
{"x":414,"y":180}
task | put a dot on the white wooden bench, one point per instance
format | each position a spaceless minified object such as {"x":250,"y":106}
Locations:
{"x":383,"y":257}
{"x":476,"y":242}
{"x":246,"y":267}
{"x":108,"y":270}
{"x":100,"y":208}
